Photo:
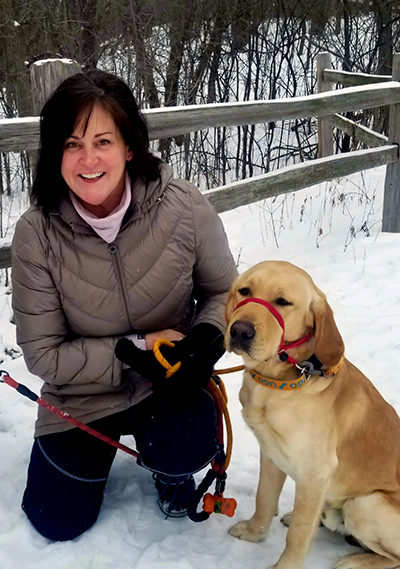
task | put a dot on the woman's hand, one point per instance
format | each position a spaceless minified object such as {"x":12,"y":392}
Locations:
{"x":196,"y":353}
{"x":168,"y":334}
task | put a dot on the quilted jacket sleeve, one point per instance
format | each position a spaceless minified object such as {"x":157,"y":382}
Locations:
{"x":215,"y":268}
{"x":42,"y":329}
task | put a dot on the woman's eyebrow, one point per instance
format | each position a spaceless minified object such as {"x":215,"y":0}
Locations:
{"x":76,"y":137}
{"x":103,"y":133}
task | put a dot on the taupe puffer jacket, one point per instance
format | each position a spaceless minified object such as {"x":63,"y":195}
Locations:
{"x":74,"y":295}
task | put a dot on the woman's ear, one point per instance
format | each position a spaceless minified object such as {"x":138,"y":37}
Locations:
{"x":129,"y":155}
{"x":329,"y":346}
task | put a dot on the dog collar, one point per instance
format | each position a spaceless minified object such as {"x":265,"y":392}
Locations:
{"x":280,"y":384}
{"x":307,"y":370}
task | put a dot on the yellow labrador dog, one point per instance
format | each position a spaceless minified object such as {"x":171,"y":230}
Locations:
{"x":317,"y":419}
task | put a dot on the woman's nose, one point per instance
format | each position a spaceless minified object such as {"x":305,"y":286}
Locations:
{"x":88,"y":156}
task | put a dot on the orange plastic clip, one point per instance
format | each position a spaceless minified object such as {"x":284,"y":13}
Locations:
{"x":219,"y":505}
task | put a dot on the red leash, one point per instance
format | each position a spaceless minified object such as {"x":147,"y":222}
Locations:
{"x":23,"y":390}
{"x":212,"y":503}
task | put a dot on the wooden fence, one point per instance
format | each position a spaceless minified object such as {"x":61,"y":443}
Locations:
{"x":366,"y":92}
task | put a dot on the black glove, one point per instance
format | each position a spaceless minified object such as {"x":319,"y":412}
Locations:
{"x":197,"y":352}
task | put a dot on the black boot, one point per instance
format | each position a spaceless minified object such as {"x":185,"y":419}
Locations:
{"x":174,"y":494}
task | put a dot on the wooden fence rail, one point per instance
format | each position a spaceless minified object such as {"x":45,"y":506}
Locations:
{"x":359,"y":132}
{"x":23,"y":134}
{"x":353,"y":79}
{"x":299,"y":176}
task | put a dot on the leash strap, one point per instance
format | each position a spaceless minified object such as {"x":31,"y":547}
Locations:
{"x":213,"y":503}
{"x":26,"y":392}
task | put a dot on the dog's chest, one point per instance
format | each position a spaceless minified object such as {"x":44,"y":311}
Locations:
{"x":279,"y":437}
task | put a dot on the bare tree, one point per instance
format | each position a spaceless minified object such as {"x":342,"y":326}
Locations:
{"x":14,"y":78}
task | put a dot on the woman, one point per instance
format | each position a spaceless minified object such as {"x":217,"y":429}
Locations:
{"x":114,"y":253}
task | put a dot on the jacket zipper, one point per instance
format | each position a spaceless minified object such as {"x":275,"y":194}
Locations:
{"x":121,"y":281}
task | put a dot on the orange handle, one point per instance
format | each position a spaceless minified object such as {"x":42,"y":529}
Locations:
{"x":219,"y":505}
{"x":156,"y":349}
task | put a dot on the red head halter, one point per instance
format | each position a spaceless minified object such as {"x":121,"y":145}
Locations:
{"x":275,"y":313}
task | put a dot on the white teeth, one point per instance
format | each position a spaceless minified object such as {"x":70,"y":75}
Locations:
{"x":91,"y":176}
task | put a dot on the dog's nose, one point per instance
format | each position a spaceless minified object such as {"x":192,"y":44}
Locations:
{"x":242,"y":332}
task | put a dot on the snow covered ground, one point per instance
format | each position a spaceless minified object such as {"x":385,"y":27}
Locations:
{"x":332,"y":231}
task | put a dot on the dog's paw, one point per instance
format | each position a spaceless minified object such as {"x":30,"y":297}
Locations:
{"x":248,"y":531}
{"x":286,"y":519}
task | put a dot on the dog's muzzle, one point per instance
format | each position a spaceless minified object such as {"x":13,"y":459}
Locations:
{"x":245,"y":331}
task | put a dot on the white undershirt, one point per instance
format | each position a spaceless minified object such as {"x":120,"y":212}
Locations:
{"x":106,"y":227}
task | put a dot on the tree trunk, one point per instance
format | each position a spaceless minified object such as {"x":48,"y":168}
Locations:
{"x":17,"y":88}
{"x":383,"y":16}
{"x":144,"y":65}
{"x":87,"y":43}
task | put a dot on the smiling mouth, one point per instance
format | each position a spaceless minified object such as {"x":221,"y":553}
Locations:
{"x":94,"y":176}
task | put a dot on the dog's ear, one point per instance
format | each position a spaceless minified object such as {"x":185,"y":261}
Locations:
{"x":329,"y":346}
{"x":231,"y":301}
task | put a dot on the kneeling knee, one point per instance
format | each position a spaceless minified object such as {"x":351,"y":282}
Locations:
{"x":54,"y":526}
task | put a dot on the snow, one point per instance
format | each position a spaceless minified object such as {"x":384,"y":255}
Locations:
{"x":20,"y":121}
{"x":331,"y":230}
{"x":64,"y":60}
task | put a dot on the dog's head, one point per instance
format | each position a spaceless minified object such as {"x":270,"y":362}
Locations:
{"x":255,"y":333}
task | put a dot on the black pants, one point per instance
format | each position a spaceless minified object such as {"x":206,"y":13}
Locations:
{"x":68,"y":471}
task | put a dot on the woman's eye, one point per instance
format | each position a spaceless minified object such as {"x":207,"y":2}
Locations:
{"x":282,"y":301}
{"x":103,"y":142}
{"x":244,"y":291}
{"x":70,"y":145}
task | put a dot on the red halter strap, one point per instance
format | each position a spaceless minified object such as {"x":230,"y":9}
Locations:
{"x":281,"y":322}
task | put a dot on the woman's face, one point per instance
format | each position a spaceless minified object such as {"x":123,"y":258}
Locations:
{"x":93,"y":163}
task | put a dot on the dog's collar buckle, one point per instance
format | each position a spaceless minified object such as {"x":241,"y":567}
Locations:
{"x":308,"y":368}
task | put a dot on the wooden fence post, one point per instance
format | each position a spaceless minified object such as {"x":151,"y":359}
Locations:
{"x":46,"y":75}
{"x":325,"y":134}
{"x":391,"y":199}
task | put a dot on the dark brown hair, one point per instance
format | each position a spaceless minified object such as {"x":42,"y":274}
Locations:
{"x":74,"y":101}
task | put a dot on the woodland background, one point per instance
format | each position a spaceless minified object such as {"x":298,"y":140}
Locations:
{"x":180,"y":52}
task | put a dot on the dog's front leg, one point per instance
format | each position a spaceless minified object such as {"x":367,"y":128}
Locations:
{"x":306,"y":514}
{"x":269,"y":489}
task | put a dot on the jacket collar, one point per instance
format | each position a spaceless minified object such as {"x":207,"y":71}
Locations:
{"x":143,"y":199}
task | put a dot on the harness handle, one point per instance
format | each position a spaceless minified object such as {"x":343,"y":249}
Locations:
{"x":171,"y":369}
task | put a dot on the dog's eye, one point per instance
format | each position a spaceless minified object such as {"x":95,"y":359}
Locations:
{"x":282,"y":301}
{"x":244,"y":291}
